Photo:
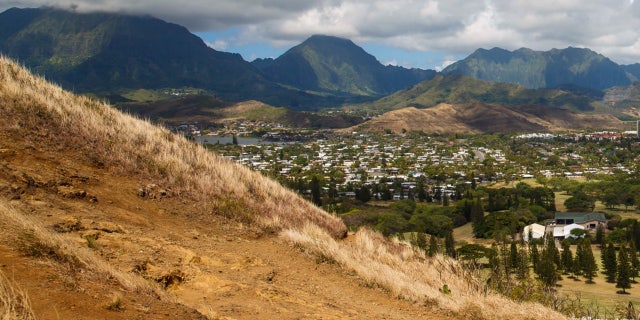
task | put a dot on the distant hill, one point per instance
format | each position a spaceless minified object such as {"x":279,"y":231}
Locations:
{"x":337,"y":65}
{"x":208,"y":109}
{"x":478,"y":118}
{"x":623,"y":97}
{"x":108,"y":53}
{"x":457,"y":89}
{"x":543,"y":69}
{"x":633,"y":69}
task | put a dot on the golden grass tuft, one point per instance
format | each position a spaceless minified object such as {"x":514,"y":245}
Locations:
{"x":407,"y":274}
{"x":14,"y":303}
{"x":133,"y":146}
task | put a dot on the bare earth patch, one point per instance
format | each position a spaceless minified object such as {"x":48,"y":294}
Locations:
{"x":220,"y":267}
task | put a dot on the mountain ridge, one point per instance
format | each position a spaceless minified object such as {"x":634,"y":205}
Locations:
{"x":543,"y":69}
{"x":107,"y":53}
{"x":459,"y":89}
{"x":333,"y":64}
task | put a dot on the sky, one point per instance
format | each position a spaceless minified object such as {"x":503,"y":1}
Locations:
{"x":428,"y":34}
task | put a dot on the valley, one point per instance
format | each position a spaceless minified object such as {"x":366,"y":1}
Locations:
{"x":146,"y":175}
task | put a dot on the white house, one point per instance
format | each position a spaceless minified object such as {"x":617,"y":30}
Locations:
{"x":562,"y":232}
{"x":537,"y":231}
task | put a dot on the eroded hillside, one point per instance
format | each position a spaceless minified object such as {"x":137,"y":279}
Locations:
{"x":106,"y":216}
{"x":478,"y":118}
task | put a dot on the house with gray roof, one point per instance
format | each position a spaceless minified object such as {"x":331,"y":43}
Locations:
{"x":589,"y":220}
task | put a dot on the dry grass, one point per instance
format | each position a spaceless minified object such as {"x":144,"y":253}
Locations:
{"x":131,"y":146}
{"x":14,"y":303}
{"x":408,"y":274}
{"x":118,"y":141}
{"x":66,"y":251}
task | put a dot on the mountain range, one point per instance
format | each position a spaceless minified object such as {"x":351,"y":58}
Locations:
{"x":118,"y":56}
{"x":110,"y":54}
{"x":545,"y":69}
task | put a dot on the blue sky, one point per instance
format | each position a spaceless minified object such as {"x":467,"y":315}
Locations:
{"x":410,"y":33}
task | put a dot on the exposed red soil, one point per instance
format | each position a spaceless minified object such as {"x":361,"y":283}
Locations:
{"x":223,"y":268}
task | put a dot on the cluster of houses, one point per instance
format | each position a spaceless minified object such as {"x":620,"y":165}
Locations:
{"x":368,"y":162}
{"x":371,"y":159}
{"x":564,"y":223}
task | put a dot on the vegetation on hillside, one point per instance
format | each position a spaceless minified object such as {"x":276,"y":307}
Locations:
{"x":133,"y":147}
{"x":458,"y":89}
{"x":111,"y":54}
{"x":538,"y":69}
{"x":331,"y":64}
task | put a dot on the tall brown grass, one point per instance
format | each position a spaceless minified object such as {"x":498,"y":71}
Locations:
{"x":130,"y":145}
{"x":407,"y":274}
{"x":14,"y":303}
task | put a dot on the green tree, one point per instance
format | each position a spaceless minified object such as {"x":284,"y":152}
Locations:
{"x":513,"y":255}
{"x":567,"y":257}
{"x":496,"y":279}
{"x":588,"y":264}
{"x":635,"y":262}
{"x":363,"y":194}
{"x":433,"y":246}
{"x":599,"y":234}
{"x":623,"y":280}
{"x":316,"y":196}
{"x":391,"y":223}
{"x":548,"y":265}
{"x":609,"y":263}
{"x":421,"y":241}
{"x":449,"y":245}
{"x":522,"y":269}
{"x":472,"y":253}
{"x":476,"y":214}
{"x":535,"y":255}
{"x":580,"y":201}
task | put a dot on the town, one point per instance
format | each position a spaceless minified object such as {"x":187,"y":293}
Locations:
{"x":390,"y":166}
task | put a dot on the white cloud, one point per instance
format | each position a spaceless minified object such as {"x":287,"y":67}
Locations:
{"x":393,"y":62}
{"x":220,"y":45}
{"x":447,"y":62}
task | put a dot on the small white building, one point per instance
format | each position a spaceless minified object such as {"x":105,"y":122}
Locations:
{"x":537,"y":231}
{"x":562,"y":232}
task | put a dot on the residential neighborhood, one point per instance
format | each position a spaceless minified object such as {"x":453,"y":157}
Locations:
{"x":347,"y":162}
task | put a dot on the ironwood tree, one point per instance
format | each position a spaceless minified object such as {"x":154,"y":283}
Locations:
{"x":609,"y":263}
{"x":548,"y":264}
{"x":623,"y":279}
{"x":588,"y":264}
{"x":567,"y":257}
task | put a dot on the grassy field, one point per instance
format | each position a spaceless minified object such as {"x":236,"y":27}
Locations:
{"x":601,"y":295}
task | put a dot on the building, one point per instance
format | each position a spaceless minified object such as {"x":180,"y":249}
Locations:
{"x":561,"y":232}
{"x":537,"y":231}
{"x":589,"y":220}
